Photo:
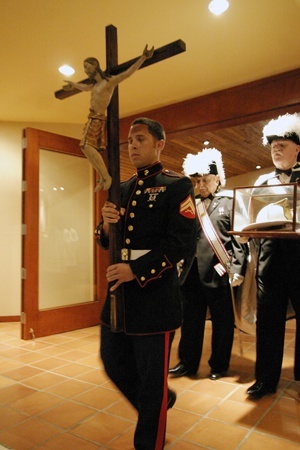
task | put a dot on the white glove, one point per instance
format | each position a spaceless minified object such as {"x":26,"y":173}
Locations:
{"x":235,"y":279}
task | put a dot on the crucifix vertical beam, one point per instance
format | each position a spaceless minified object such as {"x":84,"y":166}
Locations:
{"x":113,"y":159}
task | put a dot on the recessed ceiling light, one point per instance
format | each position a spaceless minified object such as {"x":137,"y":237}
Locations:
{"x":206,"y":142}
{"x":258,"y":167}
{"x":217,"y":7}
{"x":66,"y":70}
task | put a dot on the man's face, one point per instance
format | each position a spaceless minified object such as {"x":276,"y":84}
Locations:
{"x":207,"y":184}
{"x":284,"y":153}
{"x":143,"y":148}
{"x":90,"y":70}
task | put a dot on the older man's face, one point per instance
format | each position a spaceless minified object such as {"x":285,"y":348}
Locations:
{"x":207,"y":184}
{"x":284,"y":153}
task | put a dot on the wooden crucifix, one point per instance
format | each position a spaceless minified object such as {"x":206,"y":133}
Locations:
{"x":113,"y":156}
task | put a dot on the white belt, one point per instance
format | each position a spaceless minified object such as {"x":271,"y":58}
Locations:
{"x":128,"y":254}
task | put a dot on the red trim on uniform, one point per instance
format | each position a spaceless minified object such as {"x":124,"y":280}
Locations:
{"x":143,"y":283}
{"x":162,"y":424}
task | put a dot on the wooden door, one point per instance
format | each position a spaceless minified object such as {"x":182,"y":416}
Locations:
{"x":63,"y":271}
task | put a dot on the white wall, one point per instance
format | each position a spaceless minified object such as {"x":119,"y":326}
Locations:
{"x":247,"y":179}
{"x":10,"y":207}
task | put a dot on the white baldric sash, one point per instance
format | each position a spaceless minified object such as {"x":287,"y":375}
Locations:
{"x":214,"y":240}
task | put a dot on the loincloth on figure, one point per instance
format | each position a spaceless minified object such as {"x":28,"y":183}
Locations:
{"x":94,"y":131}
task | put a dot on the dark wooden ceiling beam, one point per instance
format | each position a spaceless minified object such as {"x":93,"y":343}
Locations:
{"x":249,"y":102}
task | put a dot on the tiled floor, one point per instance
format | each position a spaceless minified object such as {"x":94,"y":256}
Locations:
{"x":54,"y":395}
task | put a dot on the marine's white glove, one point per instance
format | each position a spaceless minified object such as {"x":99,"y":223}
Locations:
{"x":235,"y":279}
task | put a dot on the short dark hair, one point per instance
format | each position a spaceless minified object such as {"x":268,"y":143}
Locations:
{"x":154,"y":128}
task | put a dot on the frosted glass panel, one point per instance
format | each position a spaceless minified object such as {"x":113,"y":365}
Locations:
{"x":66,"y":247}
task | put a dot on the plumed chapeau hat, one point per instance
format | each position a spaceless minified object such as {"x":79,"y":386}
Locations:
{"x":284,"y":127}
{"x":209,"y":161}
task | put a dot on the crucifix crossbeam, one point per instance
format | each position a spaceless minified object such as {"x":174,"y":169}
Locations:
{"x":160,"y":54}
{"x":113,"y":156}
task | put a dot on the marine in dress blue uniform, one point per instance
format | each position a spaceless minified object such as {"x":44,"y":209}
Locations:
{"x":158,"y":230}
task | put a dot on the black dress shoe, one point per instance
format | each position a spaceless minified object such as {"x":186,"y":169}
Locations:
{"x":179,"y":371}
{"x":171,"y":398}
{"x":216,"y":375}
{"x":259,"y":389}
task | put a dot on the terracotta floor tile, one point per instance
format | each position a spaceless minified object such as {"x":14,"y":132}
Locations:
{"x":98,"y":397}
{"x":198,"y":404}
{"x":8,"y":365}
{"x":286,"y":427}
{"x":67,"y":414}
{"x":69,"y":388}
{"x":34,"y":345}
{"x":266,"y":442}
{"x":183,"y":445}
{"x":216,"y":435}
{"x":69,"y":442}
{"x":29,"y":357}
{"x":96,"y":376}
{"x":92,"y":360}
{"x":71,"y":370}
{"x":22,"y":373}
{"x":12,"y":352}
{"x":123,"y":442}
{"x":75,"y":355}
{"x":52,"y":390}
{"x":102,"y":428}
{"x":179,"y":422}
{"x":10,"y":417}
{"x":36,"y":403}
{"x":243,"y":414}
{"x":122,"y":408}
{"x":44,"y":380}
{"x":287,"y":406}
{"x":57,"y":339}
{"x":292,"y":390}
{"x":28,"y":434}
{"x":4,"y":382}
{"x":217,"y":388}
{"x":12,"y":393}
{"x":53,"y":350}
{"x":49,"y":363}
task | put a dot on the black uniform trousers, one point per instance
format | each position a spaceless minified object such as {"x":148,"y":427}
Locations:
{"x":275,"y":286}
{"x":196,"y":298}
{"x":138,"y":365}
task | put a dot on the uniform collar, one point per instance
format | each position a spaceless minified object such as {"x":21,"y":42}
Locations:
{"x":149,"y":171}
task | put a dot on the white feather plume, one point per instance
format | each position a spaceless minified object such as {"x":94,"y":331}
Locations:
{"x":200,"y":163}
{"x":283,"y":126}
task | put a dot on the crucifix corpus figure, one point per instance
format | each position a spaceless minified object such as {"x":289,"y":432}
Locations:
{"x":102,"y":87}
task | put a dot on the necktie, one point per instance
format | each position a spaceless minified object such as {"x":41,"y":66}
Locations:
{"x":207,"y":200}
{"x":210,"y":197}
{"x":287,"y":172}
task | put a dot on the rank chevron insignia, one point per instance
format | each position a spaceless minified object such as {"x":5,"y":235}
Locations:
{"x":187,"y":208}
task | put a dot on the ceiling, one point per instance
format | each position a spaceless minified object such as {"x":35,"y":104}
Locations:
{"x":254,"y":39}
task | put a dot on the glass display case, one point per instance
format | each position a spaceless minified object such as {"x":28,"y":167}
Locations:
{"x":268,"y":211}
